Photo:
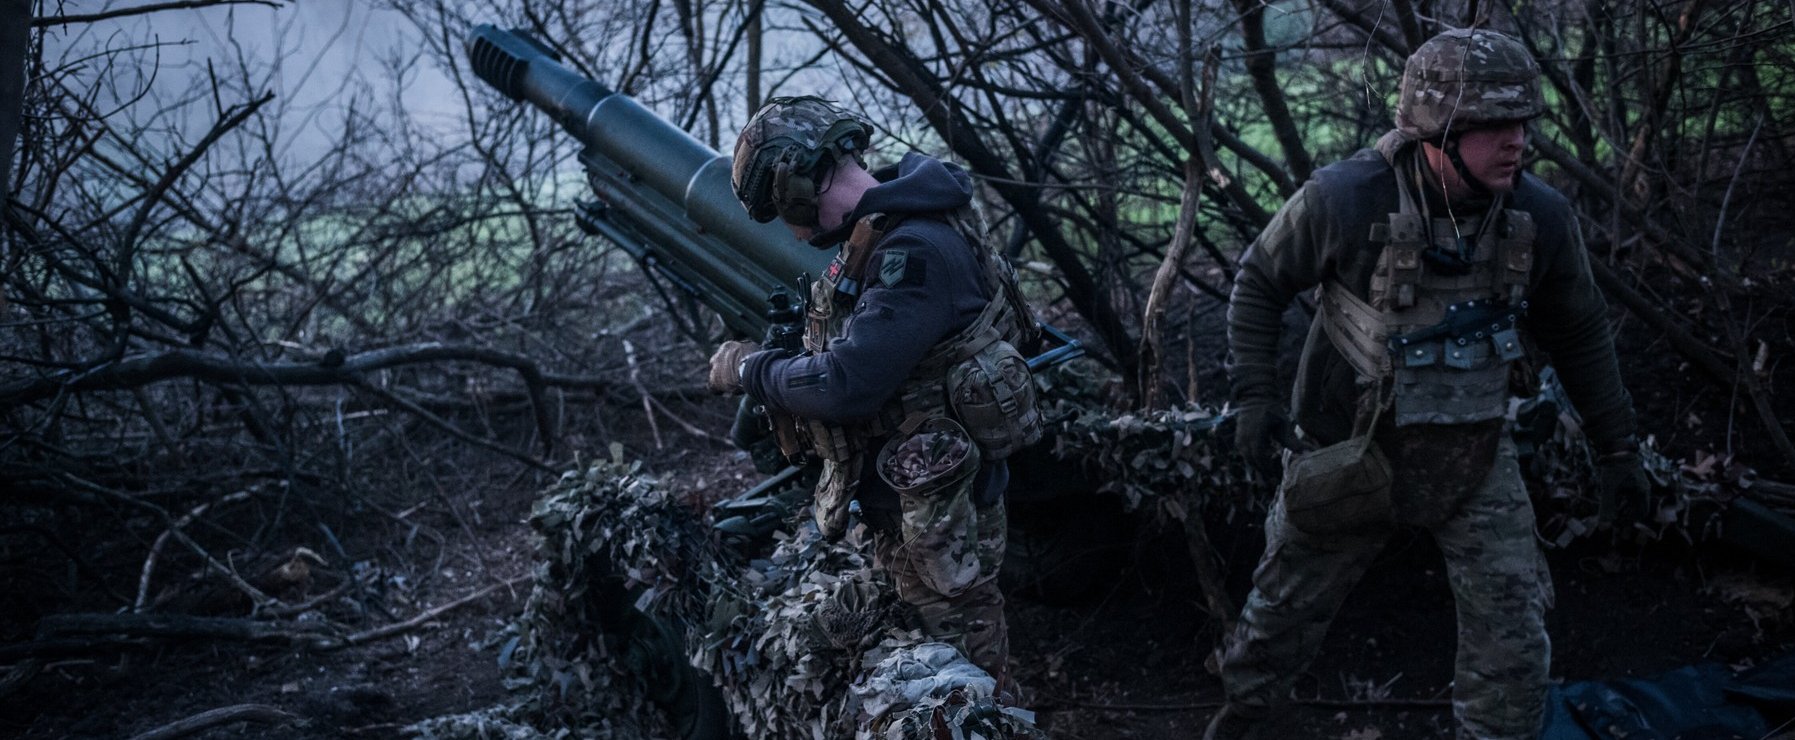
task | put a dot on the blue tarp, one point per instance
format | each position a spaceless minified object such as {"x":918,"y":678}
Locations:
{"x":1699,"y":702}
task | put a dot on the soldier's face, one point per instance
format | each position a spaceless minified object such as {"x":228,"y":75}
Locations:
{"x":1493,"y":154}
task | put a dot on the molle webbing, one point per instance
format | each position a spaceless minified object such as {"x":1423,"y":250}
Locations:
{"x":1356,"y":329}
{"x":923,"y":392}
{"x":1514,"y":258}
{"x":1403,"y":238}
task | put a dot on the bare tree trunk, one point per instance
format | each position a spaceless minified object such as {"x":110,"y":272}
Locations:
{"x":754,"y":40}
{"x":1262,"y":66}
{"x":15,"y":43}
{"x":1666,"y":85}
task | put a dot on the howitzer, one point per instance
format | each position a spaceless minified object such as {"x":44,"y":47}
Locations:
{"x":663,"y":196}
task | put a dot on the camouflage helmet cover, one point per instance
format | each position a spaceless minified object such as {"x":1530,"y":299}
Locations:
{"x":1464,"y":78}
{"x":783,"y":143}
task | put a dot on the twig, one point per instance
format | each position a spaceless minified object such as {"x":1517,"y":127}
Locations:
{"x":635,"y":379}
{"x":63,"y":20}
{"x":258,"y":713}
{"x":255,"y":594}
{"x":288,"y":610}
{"x":385,"y":631}
{"x":149,"y":561}
{"x":454,"y":431}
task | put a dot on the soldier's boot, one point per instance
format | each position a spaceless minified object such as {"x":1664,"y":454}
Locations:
{"x":1234,"y":723}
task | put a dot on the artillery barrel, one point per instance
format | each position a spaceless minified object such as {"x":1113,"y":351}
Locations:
{"x":672,"y":175}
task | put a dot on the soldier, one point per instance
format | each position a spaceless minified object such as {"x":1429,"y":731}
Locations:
{"x":1430,"y":251}
{"x":914,"y":307}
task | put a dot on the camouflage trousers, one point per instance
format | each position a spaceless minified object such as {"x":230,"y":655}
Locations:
{"x":971,"y":618}
{"x":1498,"y":578}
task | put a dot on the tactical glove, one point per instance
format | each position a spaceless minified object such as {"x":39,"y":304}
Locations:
{"x":1624,"y":491}
{"x":1260,"y":433}
{"x":726,"y":366}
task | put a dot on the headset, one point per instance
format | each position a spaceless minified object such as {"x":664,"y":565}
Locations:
{"x":798,"y":173}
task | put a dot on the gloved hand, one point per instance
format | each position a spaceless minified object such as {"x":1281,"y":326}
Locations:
{"x":726,"y":362}
{"x":1260,"y":433}
{"x":1624,"y":490}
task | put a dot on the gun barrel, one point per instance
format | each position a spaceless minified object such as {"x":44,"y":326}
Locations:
{"x":668,"y":175}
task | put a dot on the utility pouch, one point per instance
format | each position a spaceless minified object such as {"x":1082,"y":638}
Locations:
{"x":993,"y":394}
{"x":835,"y":489}
{"x":1343,"y":487}
{"x":932,"y":464}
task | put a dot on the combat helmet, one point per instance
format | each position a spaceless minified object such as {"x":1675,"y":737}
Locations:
{"x":784,"y":148}
{"x":1465,"y":78}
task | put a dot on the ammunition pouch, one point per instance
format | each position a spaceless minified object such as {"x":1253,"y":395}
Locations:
{"x":993,"y":394}
{"x":1343,"y":487}
{"x":932,"y":465}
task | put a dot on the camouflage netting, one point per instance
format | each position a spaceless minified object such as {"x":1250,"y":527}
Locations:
{"x":784,"y":637}
{"x":1557,"y":461}
{"x":1157,"y":461}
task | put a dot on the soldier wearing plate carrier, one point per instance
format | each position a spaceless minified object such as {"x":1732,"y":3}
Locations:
{"x":910,"y":389}
{"x":1433,"y":254}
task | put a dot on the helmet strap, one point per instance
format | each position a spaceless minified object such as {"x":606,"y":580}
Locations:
{"x":1450,"y":146}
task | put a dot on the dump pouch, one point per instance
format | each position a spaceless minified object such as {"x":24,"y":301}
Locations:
{"x":931,"y":464}
{"x":993,"y":395}
{"x":1343,"y":487}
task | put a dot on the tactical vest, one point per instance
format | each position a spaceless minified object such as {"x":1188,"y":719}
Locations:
{"x":923,"y":394}
{"x":1447,"y":380}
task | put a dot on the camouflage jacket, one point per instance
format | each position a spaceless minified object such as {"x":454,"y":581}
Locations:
{"x":1324,"y":233}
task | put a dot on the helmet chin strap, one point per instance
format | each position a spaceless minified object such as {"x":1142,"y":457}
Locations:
{"x":1450,"y":146}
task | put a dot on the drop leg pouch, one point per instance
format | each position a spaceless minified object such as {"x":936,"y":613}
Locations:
{"x":1339,"y":488}
{"x":931,"y":466}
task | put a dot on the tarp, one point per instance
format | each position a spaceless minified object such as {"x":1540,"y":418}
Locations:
{"x":1699,"y":702}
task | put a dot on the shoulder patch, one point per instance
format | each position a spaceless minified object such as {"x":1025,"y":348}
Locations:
{"x":896,"y":268}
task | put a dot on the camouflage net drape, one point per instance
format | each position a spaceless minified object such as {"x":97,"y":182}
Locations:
{"x":792,"y":639}
{"x":785,"y":637}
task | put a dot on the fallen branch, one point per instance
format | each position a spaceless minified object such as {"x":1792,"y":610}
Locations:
{"x":141,"y":370}
{"x":261,"y":600}
{"x":397,"y":628}
{"x":65,"y":647}
{"x":258,"y":713}
{"x":149,"y":561}
{"x":1704,"y":358}
{"x":178,"y":626}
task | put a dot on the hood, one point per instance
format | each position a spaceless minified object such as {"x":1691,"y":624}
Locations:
{"x":919,"y":184}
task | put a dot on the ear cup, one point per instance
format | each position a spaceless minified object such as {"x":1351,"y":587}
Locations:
{"x":798,"y":207}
